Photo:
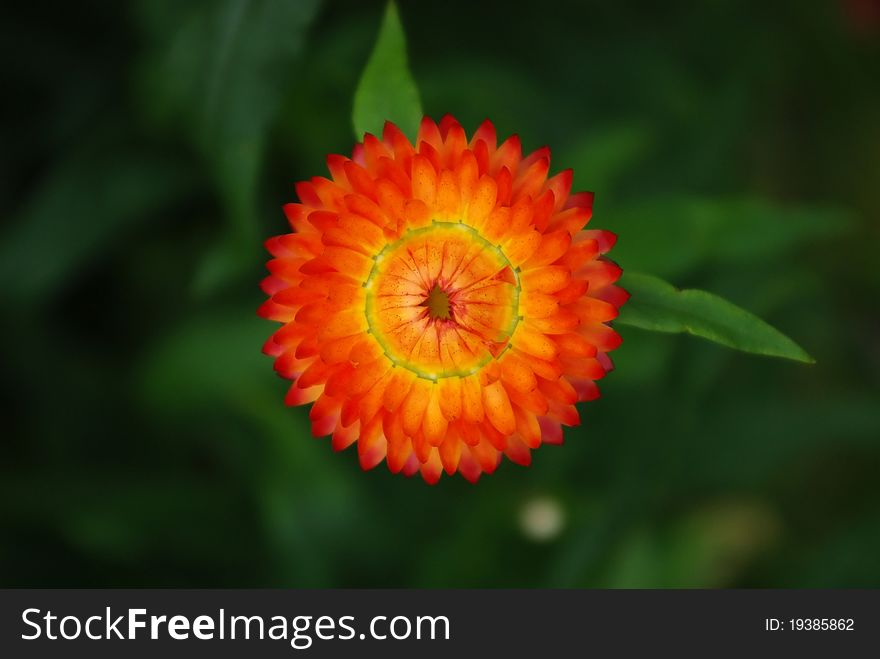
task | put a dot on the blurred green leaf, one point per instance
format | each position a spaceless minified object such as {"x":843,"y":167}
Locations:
{"x":221,"y":70}
{"x":219,"y":265}
{"x":646,"y":359}
{"x":658,"y":306}
{"x":386,"y":90}
{"x":709,"y":547}
{"x":84,"y":204}
{"x":674,"y":236}
{"x":473,"y":89}
{"x":222,"y":67}
{"x":213,"y":365}
{"x":212,"y":360}
{"x":750,"y":436}
{"x":143,"y":429}
{"x":601,"y":158}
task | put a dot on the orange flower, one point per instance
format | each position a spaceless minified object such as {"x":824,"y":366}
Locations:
{"x":441,"y":303}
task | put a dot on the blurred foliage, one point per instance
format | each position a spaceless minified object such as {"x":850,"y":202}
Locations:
{"x":148,"y":148}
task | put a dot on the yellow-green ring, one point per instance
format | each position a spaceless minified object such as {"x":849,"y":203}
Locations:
{"x":368,"y":306}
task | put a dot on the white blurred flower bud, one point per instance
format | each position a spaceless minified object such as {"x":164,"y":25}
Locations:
{"x":541,"y":519}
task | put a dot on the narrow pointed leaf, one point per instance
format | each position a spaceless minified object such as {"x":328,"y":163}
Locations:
{"x":660,"y":307}
{"x":386,"y":90}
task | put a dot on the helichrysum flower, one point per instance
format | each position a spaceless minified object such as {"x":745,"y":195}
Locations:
{"x":442,"y":304}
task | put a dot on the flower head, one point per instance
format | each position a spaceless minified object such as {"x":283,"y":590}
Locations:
{"x":442,"y":304}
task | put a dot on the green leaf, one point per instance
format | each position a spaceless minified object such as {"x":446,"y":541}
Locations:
{"x":660,"y":307}
{"x":386,"y":90}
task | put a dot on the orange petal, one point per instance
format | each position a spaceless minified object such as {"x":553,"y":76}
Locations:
{"x":517,"y":451}
{"x":486,"y":455}
{"x":497,"y":407}
{"x":586,"y":389}
{"x":450,"y":397}
{"x":413,"y":407}
{"x":391,"y":201}
{"x":397,"y":388}
{"x":548,"y":279}
{"x":393,"y":136}
{"x":583,"y":368}
{"x":360,"y":179}
{"x":299,"y":396}
{"x":533,"y":343}
{"x":450,"y":452}
{"x":551,"y":430}
{"x":516,"y":374}
{"x":563,"y":321}
{"x":370,"y":405}
{"x":507,"y":155}
{"x":600,"y":336}
{"x":448,"y":204}
{"x":538,"y":305}
{"x":604,"y":239}
{"x":367,"y":232}
{"x":471,"y":400}
{"x":530,"y":181}
{"x":497,"y":224}
{"x":589,"y":308}
{"x":469,"y":467}
{"x":337,"y":384}
{"x":316,"y":373}
{"x":430,"y":133}
{"x":573,"y":292}
{"x":560,"y":185}
{"x":366,"y":375}
{"x":432,"y":468}
{"x":398,"y":454}
{"x":580,"y":255}
{"x":520,"y":247}
{"x":367,"y":208}
{"x":613,"y":295}
{"x":527,"y":427}
{"x":344,"y":436}
{"x":434,"y":424}
{"x":547,"y":369}
{"x":553,"y":246}
{"x":483,"y":201}
{"x":578,"y":345}
{"x":566,"y":414}
{"x":295,"y":296}
{"x":559,"y":390}
{"x":486,"y":133}
{"x":416,"y":213}
{"x":467,"y":174}
{"x":424,"y":180}
{"x":490,"y":433}
{"x":371,"y":444}
{"x":470,"y":433}
{"x":343,"y":324}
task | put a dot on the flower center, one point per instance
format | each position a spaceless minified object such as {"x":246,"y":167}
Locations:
{"x":442,"y":300}
{"x":438,"y":303}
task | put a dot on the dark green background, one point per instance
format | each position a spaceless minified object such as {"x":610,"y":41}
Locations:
{"x":147,"y":149}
